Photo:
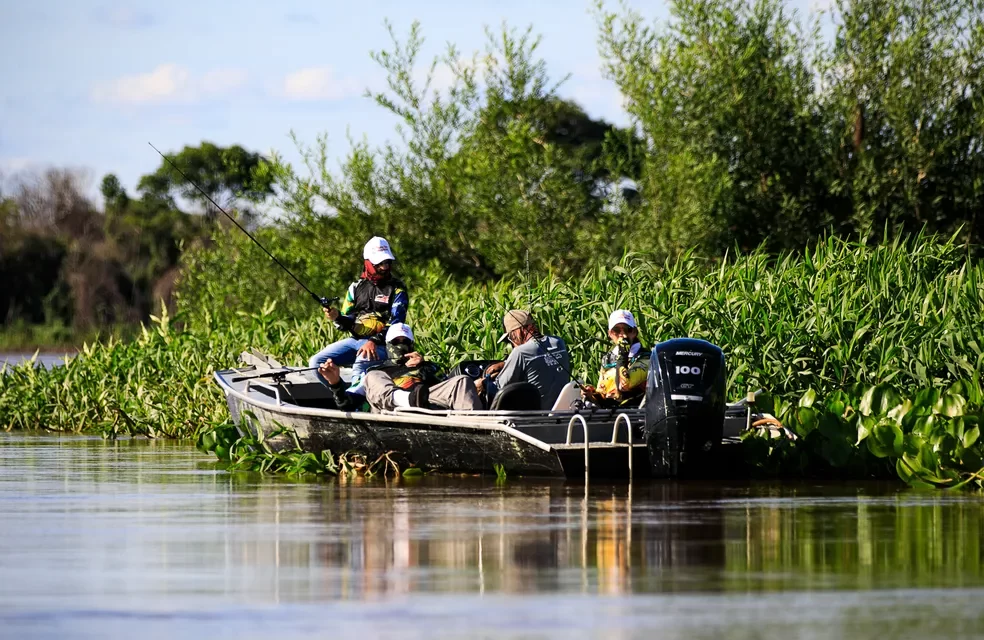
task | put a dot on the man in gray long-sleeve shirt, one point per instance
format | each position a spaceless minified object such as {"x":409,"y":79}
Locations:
{"x":540,"y":360}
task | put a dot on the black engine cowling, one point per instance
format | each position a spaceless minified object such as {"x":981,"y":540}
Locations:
{"x":685,"y":403}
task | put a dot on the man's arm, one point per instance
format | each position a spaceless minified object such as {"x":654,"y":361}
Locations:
{"x":346,"y":317}
{"x":514,"y":370}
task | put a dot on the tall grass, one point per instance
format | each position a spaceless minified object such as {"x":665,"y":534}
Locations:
{"x":839,"y":317}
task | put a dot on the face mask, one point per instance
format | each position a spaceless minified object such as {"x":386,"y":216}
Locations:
{"x":397,"y":351}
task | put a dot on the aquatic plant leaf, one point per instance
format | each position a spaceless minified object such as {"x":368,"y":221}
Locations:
{"x":926,"y":398}
{"x":951,"y":404}
{"x":879,"y":400}
{"x":898,"y":412}
{"x":834,"y":427}
{"x":808,"y":398}
{"x":864,"y":426}
{"x":909,"y":476}
{"x":837,"y":403}
{"x":886,"y":439}
{"x":970,"y":437}
{"x":806,"y":421}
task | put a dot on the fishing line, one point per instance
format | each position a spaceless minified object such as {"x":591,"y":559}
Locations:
{"x":324,"y":302}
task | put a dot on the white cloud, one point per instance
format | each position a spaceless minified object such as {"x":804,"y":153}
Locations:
{"x":169,"y":84}
{"x":318,"y":83}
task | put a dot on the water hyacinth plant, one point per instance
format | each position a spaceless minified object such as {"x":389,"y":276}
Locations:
{"x":929,"y":439}
{"x":814,"y":329}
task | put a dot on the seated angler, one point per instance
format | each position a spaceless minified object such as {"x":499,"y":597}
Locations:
{"x":406,"y":380}
{"x":543,"y":361}
{"x":624,"y":369}
{"x":371,"y":304}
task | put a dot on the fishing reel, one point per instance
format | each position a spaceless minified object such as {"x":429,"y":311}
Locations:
{"x":327,"y":302}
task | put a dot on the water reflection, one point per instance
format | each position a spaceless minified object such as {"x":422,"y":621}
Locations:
{"x":144,"y":525}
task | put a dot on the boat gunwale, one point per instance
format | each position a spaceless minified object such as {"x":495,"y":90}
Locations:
{"x":445,"y":417}
{"x":403,"y":417}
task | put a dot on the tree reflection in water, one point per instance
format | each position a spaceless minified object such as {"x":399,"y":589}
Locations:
{"x":177,"y":525}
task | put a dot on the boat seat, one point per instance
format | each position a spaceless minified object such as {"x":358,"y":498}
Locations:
{"x":517,"y":396}
{"x":568,"y":394}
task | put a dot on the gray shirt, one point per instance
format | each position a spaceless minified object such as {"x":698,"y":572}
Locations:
{"x":542,"y":362}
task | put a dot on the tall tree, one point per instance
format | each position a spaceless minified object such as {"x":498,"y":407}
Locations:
{"x":724,"y":95}
{"x":906,"y":104}
{"x":226,"y":174}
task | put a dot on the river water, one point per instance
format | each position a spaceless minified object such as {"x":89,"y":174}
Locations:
{"x":43,"y":360}
{"x":148,"y":539}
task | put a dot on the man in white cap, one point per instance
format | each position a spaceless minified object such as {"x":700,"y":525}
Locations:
{"x":406,"y":380}
{"x":540,"y":360}
{"x":624,"y":369}
{"x":371,"y":305}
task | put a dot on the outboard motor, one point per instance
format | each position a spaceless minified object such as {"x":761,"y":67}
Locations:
{"x":685,"y":402}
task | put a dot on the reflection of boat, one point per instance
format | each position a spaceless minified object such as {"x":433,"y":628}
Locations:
{"x":683,"y":426}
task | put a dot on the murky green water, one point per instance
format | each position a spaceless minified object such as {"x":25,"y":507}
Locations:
{"x":149,"y":540}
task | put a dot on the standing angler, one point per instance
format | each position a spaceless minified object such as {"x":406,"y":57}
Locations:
{"x":372,"y":303}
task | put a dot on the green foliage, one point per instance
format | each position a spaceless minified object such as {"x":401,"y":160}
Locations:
{"x":245,"y":452}
{"x":905,"y":106}
{"x":493,"y":167}
{"x":858,"y":336}
{"x":70,"y":264}
{"x":930,"y":438}
{"x":224,"y":173}
{"x":839,"y":315}
{"x":758,"y":131}
{"x":725,"y":97}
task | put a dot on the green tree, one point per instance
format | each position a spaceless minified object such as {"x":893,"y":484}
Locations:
{"x":724,"y":95}
{"x":491,"y":168}
{"x":226,"y":174}
{"x":906,"y":109}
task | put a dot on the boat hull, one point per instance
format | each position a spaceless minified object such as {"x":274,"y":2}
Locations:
{"x":449,"y":448}
{"x":527,"y":443}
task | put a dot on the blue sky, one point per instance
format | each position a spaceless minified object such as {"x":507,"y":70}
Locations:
{"x":88,"y":83}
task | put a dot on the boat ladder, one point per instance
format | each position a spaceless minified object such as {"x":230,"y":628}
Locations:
{"x":621,"y":419}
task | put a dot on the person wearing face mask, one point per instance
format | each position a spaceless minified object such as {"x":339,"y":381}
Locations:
{"x":407,"y":379}
{"x":541,"y":360}
{"x":372,"y":304}
{"x":624,"y":369}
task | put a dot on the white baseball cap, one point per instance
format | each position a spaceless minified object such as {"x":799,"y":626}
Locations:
{"x":377,"y":250}
{"x":621,"y":317}
{"x":399,"y":330}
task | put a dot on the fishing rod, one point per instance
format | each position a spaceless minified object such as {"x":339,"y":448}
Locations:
{"x":324,"y":302}
{"x":281,"y":375}
{"x":274,"y":374}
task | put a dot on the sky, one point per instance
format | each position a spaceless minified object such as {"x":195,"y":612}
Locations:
{"x":87,"y":84}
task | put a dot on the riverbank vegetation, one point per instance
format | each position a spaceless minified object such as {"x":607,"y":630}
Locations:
{"x":827,"y":325}
{"x":809,"y":205}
